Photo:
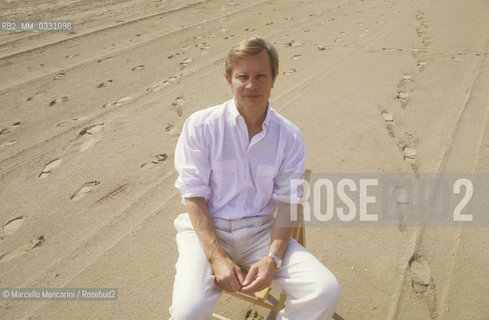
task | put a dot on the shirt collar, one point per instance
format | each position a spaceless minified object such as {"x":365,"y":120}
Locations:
{"x":234,"y":114}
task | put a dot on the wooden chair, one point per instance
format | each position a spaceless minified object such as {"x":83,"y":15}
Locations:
{"x":261,"y":298}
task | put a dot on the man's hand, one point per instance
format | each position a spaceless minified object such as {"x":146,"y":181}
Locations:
{"x":260,"y":276}
{"x":228,"y":275}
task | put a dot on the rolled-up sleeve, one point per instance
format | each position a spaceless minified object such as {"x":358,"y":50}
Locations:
{"x":192,"y":162}
{"x":288,"y":182}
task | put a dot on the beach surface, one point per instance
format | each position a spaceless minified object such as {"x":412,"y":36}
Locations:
{"x":89,"y":121}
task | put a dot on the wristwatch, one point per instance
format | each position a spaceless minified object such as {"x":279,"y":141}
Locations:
{"x":276,"y":259}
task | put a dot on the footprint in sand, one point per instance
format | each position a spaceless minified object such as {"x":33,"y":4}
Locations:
{"x":422,"y":284}
{"x":296,"y":57}
{"x":291,"y":70}
{"x":92,"y":134}
{"x":157,"y":87}
{"x":421,"y":65}
{"x":9,"y":143}
{"x":103,"y":59}
{"x":401,"y":194}
{"x":13,"y":126}
{"x":426,"y":42}
{"x":23,"y":249}
{"x":58,"y":100}
{"x":156,"y":160}
{"x":92,"y":129}
{"x":416,"y":53}
{"x":387,"y":115}
{"x":402,"y":96}
{"x":137,"y":38}
{"x":409,"y":152}
{"x":389,"y":120}
{"x":320,"y":47}
{"x":13,"y":225}
{"x":35,"y":95}
{"x":185,"y":73}
{"x":39,"y":66}
{"x":171,"y":56}
{"x":405,"y":80}
{"x":171,"y":130}
{"x":174,"y":78}
{"x":420,"y":274}
{"x":59,"y":76}
{"x":70,"y":56}
{"x":117,"y":102}
{"x":104,"y":84}
{"x":407,"y":77}
{"x":185,"y":61}
{"x":203,"y":45}
{"x":177,"y":105}
{"x":138,"y":68}
{"x":420,"y":54}
{"x":86,"y":188}
{"x":49,"y":167}
{"x":420,"y":17}
{"x":295,"y":44}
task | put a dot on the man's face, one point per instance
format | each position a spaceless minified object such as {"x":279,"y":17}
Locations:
{"x":251,"y":81}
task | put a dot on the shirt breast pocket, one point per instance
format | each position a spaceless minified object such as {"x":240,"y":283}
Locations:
{"x":223,"y":179}
{"x":264,"y":181}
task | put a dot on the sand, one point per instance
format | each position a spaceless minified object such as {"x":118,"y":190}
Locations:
{"x":89,"y":121}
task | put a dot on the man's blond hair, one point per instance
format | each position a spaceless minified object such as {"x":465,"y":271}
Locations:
{"x":250,"y":47}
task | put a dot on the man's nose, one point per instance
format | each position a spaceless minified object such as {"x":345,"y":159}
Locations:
{"x":252,"y":83}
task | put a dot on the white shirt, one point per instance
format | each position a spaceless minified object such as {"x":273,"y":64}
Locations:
{"x":238,"y":178}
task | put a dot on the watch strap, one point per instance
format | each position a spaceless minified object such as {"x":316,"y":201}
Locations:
{"x":276,"y":259}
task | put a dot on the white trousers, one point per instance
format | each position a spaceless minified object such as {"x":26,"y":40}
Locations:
{"x":312,"y":290}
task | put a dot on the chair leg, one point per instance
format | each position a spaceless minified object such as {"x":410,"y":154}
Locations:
{"x":281,"y":304}
{"x":218,"y":317}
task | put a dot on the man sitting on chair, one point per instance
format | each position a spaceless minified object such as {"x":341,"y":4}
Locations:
{"x":235,"y":163}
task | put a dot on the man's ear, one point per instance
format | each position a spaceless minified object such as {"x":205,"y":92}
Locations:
{"x":228,"y":79}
